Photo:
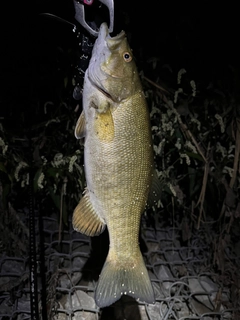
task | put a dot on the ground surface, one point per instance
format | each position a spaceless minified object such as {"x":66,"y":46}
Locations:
{"x":193,"y":279}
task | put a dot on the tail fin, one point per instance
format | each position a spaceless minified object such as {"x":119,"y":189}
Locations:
{"x":117,"y":279}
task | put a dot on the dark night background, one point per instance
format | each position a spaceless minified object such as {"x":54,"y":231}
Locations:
{"x":38,"y":55}
{"x":34,"y":48}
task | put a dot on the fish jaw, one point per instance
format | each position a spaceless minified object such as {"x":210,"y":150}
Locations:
{"x":104,"y":40}
{"x":109,"y":70}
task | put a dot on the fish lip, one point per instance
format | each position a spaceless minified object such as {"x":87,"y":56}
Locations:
{"x":103,"y":31}
{"x":104,"y":34}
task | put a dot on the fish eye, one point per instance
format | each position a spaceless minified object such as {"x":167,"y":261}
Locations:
{"x":127,"y":57}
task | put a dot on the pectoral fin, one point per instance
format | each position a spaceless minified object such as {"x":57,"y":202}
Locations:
{"x":80,"y":127}
{"x":86,"y":220}
{"x":104,"y":126}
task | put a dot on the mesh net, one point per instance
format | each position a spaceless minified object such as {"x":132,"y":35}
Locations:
{"x":194,"y":276}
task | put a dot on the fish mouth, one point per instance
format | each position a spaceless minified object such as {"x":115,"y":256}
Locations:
{"x":111,"y":42}
{"x":104,"y":35}
{"x":103,"y":46}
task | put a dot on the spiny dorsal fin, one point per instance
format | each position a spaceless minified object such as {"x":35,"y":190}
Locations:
{"x":80,"y":127}
{"x":85,"y":218}
{"x":155,"y":191}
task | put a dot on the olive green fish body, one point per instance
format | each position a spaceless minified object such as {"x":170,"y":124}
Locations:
{"x":118,"y":166}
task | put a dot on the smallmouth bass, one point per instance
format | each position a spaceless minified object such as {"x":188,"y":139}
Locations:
{"x":118,"y":161}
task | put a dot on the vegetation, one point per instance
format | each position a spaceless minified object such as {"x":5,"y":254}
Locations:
{"x":196,"y":143}
{"x":195,"y":127}
{"x":197,"y":149}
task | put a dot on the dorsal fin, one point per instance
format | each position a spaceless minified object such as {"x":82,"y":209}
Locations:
{"x":155,"y":191}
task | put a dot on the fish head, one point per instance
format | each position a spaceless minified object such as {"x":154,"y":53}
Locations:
{"x":112,"y":68}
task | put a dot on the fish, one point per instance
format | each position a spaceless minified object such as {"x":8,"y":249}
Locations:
{"x":118,"y":165}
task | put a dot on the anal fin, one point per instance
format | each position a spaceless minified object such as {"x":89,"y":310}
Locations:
{"x":85,"y":218}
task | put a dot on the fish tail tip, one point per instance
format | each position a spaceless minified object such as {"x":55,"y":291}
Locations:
{"x":115,"y":282}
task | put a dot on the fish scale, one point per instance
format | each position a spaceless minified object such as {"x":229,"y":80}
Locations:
{"x":118,"y":162}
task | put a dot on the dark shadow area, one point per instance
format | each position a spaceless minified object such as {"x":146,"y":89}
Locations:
{"x":125,"y":308}
{"x":98,"y":254}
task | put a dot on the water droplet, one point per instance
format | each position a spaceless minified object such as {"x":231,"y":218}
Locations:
{"x":122,"y":284}
{"x":125,"y":292}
